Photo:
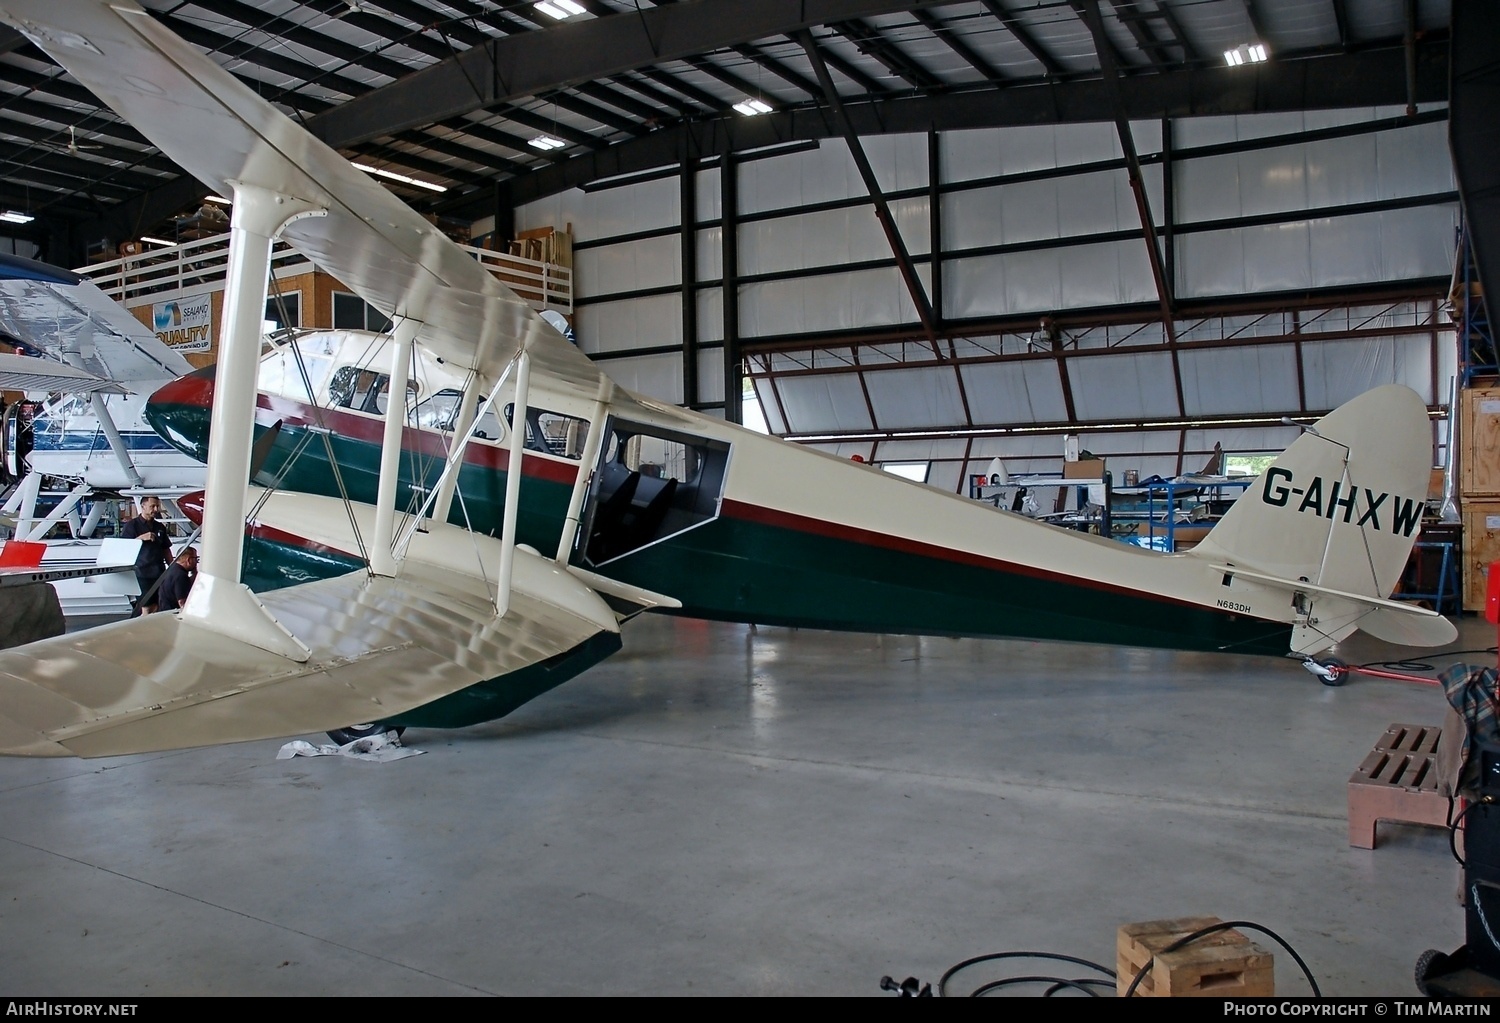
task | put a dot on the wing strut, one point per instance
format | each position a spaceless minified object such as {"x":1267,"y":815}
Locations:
{"x":219,"y":602}
{"x":116,"y":444}
{"x":513,"y":482}
{"x":382,"y":561}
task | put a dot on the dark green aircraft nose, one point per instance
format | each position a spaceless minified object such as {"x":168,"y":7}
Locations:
{"x":180,"y":412}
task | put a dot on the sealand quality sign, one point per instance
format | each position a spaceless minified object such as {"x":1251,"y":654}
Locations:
{"x":185,"y":324}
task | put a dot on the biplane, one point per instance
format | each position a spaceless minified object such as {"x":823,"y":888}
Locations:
{"x":450,"y":519}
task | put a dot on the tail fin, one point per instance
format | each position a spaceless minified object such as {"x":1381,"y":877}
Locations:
{"x":1341,"y":507}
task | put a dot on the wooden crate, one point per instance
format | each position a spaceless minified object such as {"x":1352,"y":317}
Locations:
{"x":1221,"y":965}
{"x":1479,"y":439}
{"x":1481,"y":546}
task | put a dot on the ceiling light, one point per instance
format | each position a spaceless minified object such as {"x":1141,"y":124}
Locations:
{"x":218,"y":199}
{"x":1246,"y":53}
{"x":559,"y":10}
{"x":12,"y":217}
{"x":751,"y":107}
{"x":157,"y":241}
{"x":545,"y":142}
{"x":393,"y":176}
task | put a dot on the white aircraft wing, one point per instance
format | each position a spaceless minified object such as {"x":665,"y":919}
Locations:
{"x":29,"y":373}
{"x":215,"y":127}
{"x":65,"y":318}
{"x":380,"y":647}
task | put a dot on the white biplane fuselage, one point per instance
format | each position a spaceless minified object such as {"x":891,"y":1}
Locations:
{"x":420,"y":580}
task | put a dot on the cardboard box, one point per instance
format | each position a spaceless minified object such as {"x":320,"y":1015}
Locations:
{"x":1084,"y":469}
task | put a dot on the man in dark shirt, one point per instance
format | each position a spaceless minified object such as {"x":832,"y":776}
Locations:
{"x":177,"y":581}
{"x":156,"y":549}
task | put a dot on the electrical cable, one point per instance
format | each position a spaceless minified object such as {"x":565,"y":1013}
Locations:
{"x":995,"y":956}
{"x":1204,"y":932}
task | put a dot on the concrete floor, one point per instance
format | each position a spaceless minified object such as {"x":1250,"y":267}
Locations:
{"x":720,"y":810}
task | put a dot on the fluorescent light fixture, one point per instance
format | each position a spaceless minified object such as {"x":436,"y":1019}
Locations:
{"x":545,"y":142}
{"x":157,"y":241}
{"x":559,"y":10}
{"x":218,"y":199}
{"x":393,"y":176}
{"x":1247,"y":53}
{"x":751,"y":107}
{"x":12,"y":217}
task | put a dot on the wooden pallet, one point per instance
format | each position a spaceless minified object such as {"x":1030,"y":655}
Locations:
{"x":1398,"y":781}
{"x":1220,"y":965}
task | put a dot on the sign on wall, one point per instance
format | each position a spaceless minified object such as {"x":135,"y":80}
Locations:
{"x":185,"y":324}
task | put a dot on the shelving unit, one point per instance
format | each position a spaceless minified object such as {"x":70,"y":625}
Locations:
{"x":1166,"y":503}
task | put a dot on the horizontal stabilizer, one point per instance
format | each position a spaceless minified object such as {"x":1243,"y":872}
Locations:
{"x":1394,"y":621}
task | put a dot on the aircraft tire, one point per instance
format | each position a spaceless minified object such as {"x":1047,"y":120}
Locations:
{"x":1339,"y":668}
{"x":344,"y":736}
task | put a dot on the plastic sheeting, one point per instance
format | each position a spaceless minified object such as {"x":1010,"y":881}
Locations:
{"x":829,"y":173}
{"x":711,"y":314}
{"x":625,"y":209}
{"x":1139,"y":385}
{"x":710,"y":254}
{"x":711,"y":375}
{"x":1311,"y":175}
{"x":629,"y":266}
{"x":1392,"y":245}
{"x":826,"y":238}
{"x":1014,"y":392}
{"x":827,"y":303}
{"x":819,"y":404}
{"x":911,"y":398}
{"x":629,"y":323}
{"x":984,"y":153}
{"x":1226,"y":381}
{"x":1030,"y":211}
{"x":655,"y":376}
{"x":1335,"y":371}
{"x":1078,"y":276}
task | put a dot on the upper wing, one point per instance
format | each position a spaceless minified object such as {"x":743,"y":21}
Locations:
{"x":380,"y":647}
{"x":221,"y":132}
{"x":68,"y":319}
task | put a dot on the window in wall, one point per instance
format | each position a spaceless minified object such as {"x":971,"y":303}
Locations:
{"x":282,"y":312}
{"x":916,"y":471}
{"x":350,"y":312}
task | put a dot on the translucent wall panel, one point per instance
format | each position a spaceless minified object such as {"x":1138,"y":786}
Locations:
{"x":711,"y":375}
{"x":1222,"y":381}
{"x":710,"y":254}
{"x":654,"y":376}
{"x":985,"y":153}
{"x":628,"y":266}
{"x":1015,"y":392}
{"x":1331,"y":172}
{"x":829,"y":302}
{"x":1335,"y":371}
{"x":708,"y":193}
{"x":608,"y":212}
{"x":815,"y":404}
{"x":830,"y":238}
{"x":1248,"y":440}
{"x":629,"y":323}
{"x":711,"y":314}
{"x":1212,"y":131}
{"x":1078,"y":276}
{"x":912,"y":398}
{"x":829,"y":173}
{"x":1036,"y":210}
{"x":1140,"y":385}
{"x":1389,"y":246}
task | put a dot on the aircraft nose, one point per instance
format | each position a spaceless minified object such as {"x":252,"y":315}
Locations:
{"x":180,"y":411}
{"x":192,"y":506}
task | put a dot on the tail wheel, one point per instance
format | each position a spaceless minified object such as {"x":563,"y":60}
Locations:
{"x":344,"y":736}
{"x":1335,"y":672}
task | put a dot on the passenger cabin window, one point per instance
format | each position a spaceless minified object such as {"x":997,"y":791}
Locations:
{"x":651,"y":484}
{"x":552,"y":432}
{"x":441,"y":410}
{"x":363,"y":390}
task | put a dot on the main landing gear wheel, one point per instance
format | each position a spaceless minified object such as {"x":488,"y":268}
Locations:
{"x":1330,"y":670}
{"x":344,"y":736}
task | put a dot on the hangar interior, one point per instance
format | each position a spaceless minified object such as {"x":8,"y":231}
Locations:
{"x":977,"y":244}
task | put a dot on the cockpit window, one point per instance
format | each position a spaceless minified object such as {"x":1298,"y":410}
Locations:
{"x":552,"y":432}
{"x":363,"y":390}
